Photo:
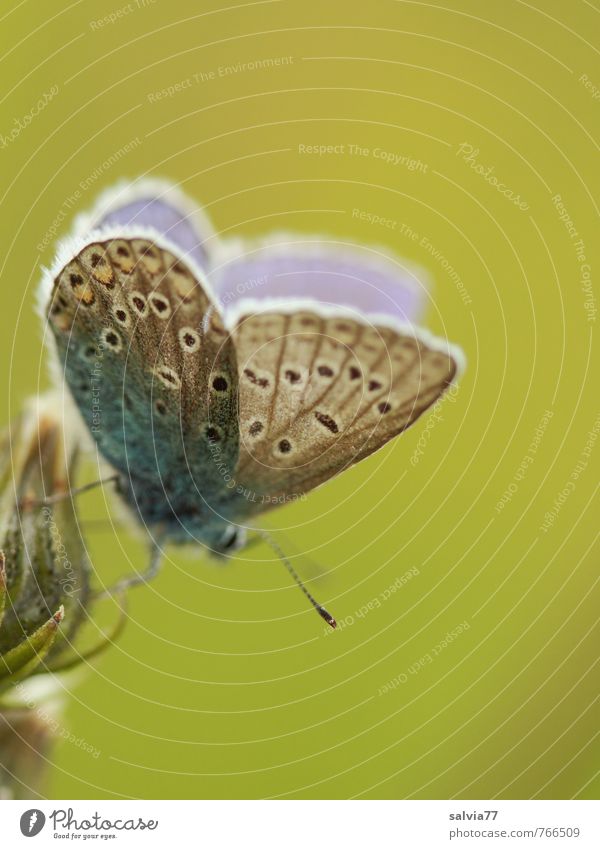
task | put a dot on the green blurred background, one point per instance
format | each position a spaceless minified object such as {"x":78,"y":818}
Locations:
{"x":224,"y":683}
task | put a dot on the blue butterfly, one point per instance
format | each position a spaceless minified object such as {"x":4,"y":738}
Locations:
{"x":222,"y":378}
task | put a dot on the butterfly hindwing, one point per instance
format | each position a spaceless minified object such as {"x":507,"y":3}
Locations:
{"x":321,"y":391}
{"x":150,"y":364}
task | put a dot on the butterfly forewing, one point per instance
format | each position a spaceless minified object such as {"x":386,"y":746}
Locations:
{"x":318,"y":393}
{"x":150,"y":364}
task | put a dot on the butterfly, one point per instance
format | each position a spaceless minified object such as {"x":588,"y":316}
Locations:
{"x":223,"y":378}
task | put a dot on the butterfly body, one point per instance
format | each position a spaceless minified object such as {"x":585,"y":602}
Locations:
{"x":212,"y":416}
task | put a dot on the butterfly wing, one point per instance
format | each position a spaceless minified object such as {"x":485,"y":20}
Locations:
{"x":320,"y":390}
{"x":157,"y":204}
{"x":366,"y":279}
{"x":150,"y":365}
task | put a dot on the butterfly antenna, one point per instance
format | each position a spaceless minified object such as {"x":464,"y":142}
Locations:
{"x":324,"y":614}
{"x":30,"y":503}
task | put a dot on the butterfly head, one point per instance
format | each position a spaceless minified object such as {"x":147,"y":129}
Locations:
{"x":232,"y":539}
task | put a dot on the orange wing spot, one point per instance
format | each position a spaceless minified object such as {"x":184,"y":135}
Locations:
{"x":95,"y":262}
{"x":148,"y":256}
{"x":83,"y":292}
{"x":103,"y":273}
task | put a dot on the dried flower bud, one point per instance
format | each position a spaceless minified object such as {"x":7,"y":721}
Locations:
{"x":45,"y":593}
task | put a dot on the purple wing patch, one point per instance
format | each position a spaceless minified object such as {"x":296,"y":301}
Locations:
{"x":158,"y":205}
{"x":367,"y":280}
{"x":166,"y":219}
{"x":347,"y":275}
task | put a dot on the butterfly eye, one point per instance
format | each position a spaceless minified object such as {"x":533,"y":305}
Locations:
{"x":230,"y":539}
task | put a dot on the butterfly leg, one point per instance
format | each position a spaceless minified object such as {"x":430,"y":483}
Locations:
{"x":31,"y":503}
{"x":151,"y":571}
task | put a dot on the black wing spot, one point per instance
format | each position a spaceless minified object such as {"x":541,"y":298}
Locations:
{"x":255,"y":428}
{"x":253,"y":378}
{"x":220,"y":384}
{"x":112,"y":339}
{"x":189,"y":340}
{"x":285,"y":446}
{"x":292,"y":376}
{"x":354,"y":373}
{"x":159,"y":304}
{"x":384,"y":407}
{"x":161,"y":407}
{"x":121,"y":316}
{"x":213,"y":434}
{"x":327,"y":421}
{"x":325,"y":371}
{"x":122,"y":251}
{"x":373,"y":385}
{"x":169,"y":377}
{"x":76,"y":279}
{"x":96,"y":260}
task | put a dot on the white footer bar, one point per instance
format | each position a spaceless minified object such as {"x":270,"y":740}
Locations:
{"x":302,"y":824}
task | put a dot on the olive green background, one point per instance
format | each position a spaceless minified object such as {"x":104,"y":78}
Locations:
{"x":224,"y":683}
